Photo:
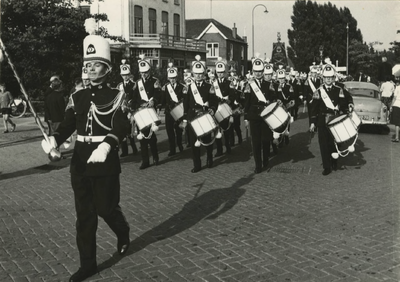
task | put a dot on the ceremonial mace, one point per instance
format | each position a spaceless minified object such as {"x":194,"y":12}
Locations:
{"x":54,"y":154}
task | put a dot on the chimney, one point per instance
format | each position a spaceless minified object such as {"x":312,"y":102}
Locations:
{"x":234,"y":31}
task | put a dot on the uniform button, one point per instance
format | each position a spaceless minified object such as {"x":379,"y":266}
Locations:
{"x":92,"y":95}
{"x":89,"y":134}
{"x":100,"y":86}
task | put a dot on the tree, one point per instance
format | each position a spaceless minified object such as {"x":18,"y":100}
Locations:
{"x":43,"y":38}
{"x":314,"y":25}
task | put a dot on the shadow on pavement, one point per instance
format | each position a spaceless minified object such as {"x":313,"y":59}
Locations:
{"x":207,"y":206}
{"x":375,"y":129}
{"x":356,"y":158}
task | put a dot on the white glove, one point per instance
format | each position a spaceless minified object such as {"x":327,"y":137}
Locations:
{"x":100,"y":154}
{"x":312,"y":127}
{"x":48,"y":146}
{"x":246,"y":123}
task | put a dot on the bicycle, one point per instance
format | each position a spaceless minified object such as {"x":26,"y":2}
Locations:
{"x":18,"y":107}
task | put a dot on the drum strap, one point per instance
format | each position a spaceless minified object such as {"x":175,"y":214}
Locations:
{"x":327,"y":100}
{"x":196,"y":94}
{"x":142,"y":91}
{"x":257,"y":91}
{"x":171,"y":92}
{"x":217,"y":89}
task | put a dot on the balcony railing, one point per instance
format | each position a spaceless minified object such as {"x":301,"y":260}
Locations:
{"x":166,"y":41}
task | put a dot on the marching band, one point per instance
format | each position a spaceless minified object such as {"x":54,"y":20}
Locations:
{"x":208,"y":107}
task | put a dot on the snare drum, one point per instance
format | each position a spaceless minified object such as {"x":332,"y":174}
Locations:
{"x":177,"y":111}
{"x":276,"y":117}
{"x":223,"y":112}
{"x":355,"y":118}
{"x":343,"y":130}
{"x":203,"y":125}
{"x":145,"y":118}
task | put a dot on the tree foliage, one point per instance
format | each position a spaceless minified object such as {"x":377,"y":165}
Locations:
{"x":315,"y":25}
{"x":43,"y":38}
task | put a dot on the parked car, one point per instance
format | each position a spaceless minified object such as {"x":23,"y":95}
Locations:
{"x":367,"y":103}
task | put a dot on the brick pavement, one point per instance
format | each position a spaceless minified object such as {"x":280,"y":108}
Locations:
{"x":221,"y":224}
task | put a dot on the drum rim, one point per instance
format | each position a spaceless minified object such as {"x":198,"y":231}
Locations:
{"x":339,"y":118}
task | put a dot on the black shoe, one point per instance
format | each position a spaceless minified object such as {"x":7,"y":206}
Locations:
{"x":123,"y":155}
{"x":210,"y":163}
{"x":218,"y":154}
{"x":170,"y":154}
{"x":326,"y":171}
{"x":194,"y":170}
{"x":5,"y":131}
{"x":82,"y":274}
{"x":144,"y":165}
{"x":257,"y":170}
{"x":123,"y":246}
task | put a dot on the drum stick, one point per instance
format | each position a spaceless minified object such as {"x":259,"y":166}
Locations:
{"x":54,"y":155}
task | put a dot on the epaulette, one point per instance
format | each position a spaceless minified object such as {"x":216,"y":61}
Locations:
{"x":156,"y":83}
{"x":247,"y":88}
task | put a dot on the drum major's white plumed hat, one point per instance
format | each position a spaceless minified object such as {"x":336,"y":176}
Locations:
{"x":257,"y":64}
{"x":198,"y":66}
{"x":85,"y":74}
{"x":328,"y":71}
{"x":220,"y":65}
{"x":144,"y":64}
{"x":268,"y":67}
{"x":280,"y":73}
{"x":172,"y":72}
{"x":124,"y":67}
{"x":95,"y":47}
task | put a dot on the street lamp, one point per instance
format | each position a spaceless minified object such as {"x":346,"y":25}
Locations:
{"x":347,"y":51}
{"x":252,"y":21}
{"x":321,"y":53}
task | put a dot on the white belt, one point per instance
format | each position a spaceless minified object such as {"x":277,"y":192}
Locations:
{"x":89,"y":139}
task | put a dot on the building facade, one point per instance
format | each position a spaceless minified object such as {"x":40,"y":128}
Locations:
{"x":221,"y":41}
{"x":155,"y":28}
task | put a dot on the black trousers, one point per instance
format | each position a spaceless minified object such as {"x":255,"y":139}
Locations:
{"x":196,"y":151}
{"x":237,"y":129}
{"x":96,"y":196}
{"x":261,"y":136}
{"x":144,"y":147}
{"x":326,"y":146}
{"x":174,"y":133}
{"x":226,"y":136}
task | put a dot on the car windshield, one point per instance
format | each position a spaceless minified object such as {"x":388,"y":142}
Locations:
{"x":363,"y":92}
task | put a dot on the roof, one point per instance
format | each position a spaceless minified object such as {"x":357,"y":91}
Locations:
{"x":360,"y":85}
{"x":195,"y":27}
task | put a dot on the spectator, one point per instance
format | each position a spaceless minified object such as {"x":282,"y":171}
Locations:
{"x":384,"y":70}
{"x":54,"y":104}
{"x":362,"y":77}
{"x":387,"y":90}
{"x":395,"y":111}
{"x":5,"y":105}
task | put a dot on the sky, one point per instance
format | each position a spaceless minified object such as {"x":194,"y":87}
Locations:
{"x":377,"y":20}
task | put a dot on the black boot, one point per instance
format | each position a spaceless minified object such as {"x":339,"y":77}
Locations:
{"x":82,"y":274}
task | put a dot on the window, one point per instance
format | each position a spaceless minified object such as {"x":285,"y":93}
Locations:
{"x":242,"y":52}
{"x":212,"y":50}
{"x":177,"y":25}
{"x":152,"y":21}
{"x":135,"y":18}
{"x":176,"y":2}
{"x":164,"y":19}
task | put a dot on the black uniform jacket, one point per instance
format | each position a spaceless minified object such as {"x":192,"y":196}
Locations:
{"x":320,"y":112}
{"x":252,"y":106}
{"x":191,"y":108}
{"x":308,"y":92}
{"x":152,"y":88}
{"x":166,"y":102}
{"x":76,"y":118}
{"x":285,"y":93}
